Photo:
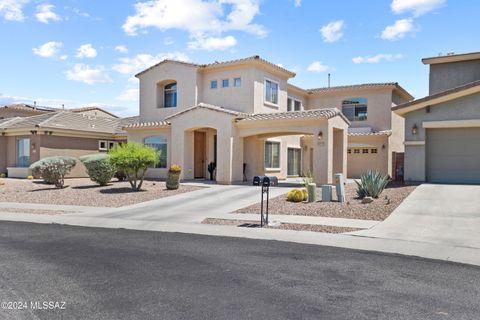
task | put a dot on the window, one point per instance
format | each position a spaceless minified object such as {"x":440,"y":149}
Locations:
{"x":170,"y":95}
{"x":158,"y":143}
{"x":374,"y":150}
{"x":272,"y":154}
{"x":349,"y":151}
{"x":364,"y":150}
{"x":294,"y":104}
{"x":271,"y":91}
{"x":355,"y":109}
{"x":356,"y":151}
{"x":111,"y":144}
{"x":225,"y":83}
{"x":102,"y":145}
{"x":213,"y":84}
{"x":237,"y":82}
{"x":23,"y":152}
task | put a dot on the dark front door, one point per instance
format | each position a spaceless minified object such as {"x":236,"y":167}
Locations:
{"x":199,"y":154}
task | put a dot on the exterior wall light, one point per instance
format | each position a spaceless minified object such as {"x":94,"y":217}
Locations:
{"x":320,"y":136}
{"x":414,"y":129}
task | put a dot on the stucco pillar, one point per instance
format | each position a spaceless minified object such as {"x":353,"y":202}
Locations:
{"x":178,"y":151}
{"x":230,"y":157}
{"x":340,"y":145}
{"x":323,"y":156}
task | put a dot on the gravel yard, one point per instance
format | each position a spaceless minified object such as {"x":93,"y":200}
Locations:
{"x":283,"y":226}
{"x":83,"y":192}
{"x":353,"y":208}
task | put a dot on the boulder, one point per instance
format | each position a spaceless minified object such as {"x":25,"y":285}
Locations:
{"x":367,"y":200}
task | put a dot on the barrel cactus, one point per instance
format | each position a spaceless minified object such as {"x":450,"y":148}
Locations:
{"x":295,"y":195}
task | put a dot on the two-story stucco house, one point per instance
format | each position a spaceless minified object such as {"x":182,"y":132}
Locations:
{"x":442,"y":130}
{"x":245,"y":117}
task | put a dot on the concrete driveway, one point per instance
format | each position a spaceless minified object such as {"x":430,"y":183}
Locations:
{"x":440,"y":214}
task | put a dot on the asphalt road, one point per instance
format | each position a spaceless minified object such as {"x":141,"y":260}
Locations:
{"x":120,"y":274}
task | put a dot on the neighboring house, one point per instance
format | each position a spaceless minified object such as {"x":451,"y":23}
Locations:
{"x":442,"y":130}
{"x":24,"y":140}
{"x":26,"y":110}
{"x":245,"y":117}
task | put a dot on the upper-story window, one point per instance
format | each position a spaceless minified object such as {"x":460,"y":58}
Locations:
{"x":170,"y":95}
{"x":237,"y":82}
{"x":355,"y":109}
{"x":294,"y":104}
{"x":225,"y":83}
{"x":271,"y":91}
{"x":213,"y":84}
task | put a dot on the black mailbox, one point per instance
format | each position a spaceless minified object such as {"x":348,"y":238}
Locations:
{"x":265,"y":181}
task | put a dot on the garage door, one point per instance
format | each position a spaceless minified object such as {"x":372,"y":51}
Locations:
{"x":453,"y":155}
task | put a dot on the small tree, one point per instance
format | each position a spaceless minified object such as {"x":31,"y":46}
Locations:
{"x":54,"y":169}
{"x":99,"y":168}
{"x":133,"y":159}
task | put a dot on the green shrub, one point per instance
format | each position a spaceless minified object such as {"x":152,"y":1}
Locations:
{"x":120,"y":175}
{"x":295,"y":195}
{"x":133,"y":159}
{"x":53,"y":169}
{"x":3,"y":175}
{"x":99,"y":168}
{"x":371,"y":184}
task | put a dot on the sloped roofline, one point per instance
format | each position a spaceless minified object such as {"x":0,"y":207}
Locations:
{"x":452,"y":58}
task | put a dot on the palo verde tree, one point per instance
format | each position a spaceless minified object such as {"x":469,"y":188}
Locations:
{"x":133,"y":159}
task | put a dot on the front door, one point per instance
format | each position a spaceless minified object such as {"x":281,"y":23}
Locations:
{"x":199,"y":155}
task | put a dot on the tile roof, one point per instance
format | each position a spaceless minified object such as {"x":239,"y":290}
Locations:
{"x":148,"y":124}
{"x":66,"y":120}
{"x":85,"y":109}
{"x":221,"y":64}
{"x":312,"y":113}
{"x":395,"y":85}
{"x":373,"y":133}
{"x":205,"y":106}
{"x":27,"y":107}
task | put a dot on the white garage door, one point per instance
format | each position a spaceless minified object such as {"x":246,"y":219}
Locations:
{"x":453,"y":155}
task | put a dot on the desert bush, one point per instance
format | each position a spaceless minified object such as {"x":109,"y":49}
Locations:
{"x":133,"y":159}
{"x":120,"y":175}
{"x":371,"y":184}
{"x":53,"y":169}
{"x":99,"y":168}
{"x":296,"y":195}
{"x":3,"y":175}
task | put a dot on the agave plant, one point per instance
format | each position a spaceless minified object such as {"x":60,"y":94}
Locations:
{"x":371,"y":184}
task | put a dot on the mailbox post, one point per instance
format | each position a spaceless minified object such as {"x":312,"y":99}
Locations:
{"x":264,"y":182}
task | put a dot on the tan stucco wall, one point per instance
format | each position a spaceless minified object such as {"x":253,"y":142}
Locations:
{"x":260,"y":105}
{"x":186,"y":78}
{"x":3,"y":154}
{"x":378,"y":108}
{"x":466,"y":108}
{"x":444,"y":76}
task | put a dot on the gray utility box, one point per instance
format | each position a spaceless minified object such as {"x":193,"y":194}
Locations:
{"x":326,"y":193}
{"x":340,"y":186}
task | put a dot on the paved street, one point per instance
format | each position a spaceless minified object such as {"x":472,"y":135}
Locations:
{"x":123,"y":274}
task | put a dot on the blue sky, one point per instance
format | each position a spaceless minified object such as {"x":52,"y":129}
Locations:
{"x":85,"y":52}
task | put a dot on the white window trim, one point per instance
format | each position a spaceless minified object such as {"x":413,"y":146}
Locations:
{"x":268,"y":103}
{"x":270,"y":169}
{"x":295,"y":99}
{"x":100,"y":143}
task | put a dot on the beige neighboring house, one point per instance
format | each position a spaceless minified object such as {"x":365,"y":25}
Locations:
{"x":245,"y":117}
{"x":24,"y":140}
{"x":26,"y":110}
{"x":442,"y":130}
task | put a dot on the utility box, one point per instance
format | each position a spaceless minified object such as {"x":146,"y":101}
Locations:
{"x":326,"y":193}
{"x":340,"y":186}
{"x":312,"y":192}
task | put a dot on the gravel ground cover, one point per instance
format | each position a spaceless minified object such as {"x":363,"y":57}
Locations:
{"x":282,"y":226}
{"x":353,"y":208}
{"x":83,"y":192}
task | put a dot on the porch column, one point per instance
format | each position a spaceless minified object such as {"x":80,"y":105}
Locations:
{"x":229,"y":157}
{"x":323,"y":156}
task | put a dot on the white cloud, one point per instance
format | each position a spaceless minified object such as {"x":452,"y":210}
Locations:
{"x":11,"y":10}
{"x":297,"y":3}
{"x":377,"y":58}
{"x":131,"y":66}
{"x":398,"y":30}
{"x":87,"y":74}
{"x":86,"y":51}
{"x":48,"y":50}
{"x":212,"y":43}
{"x":417,"y":7}
{"x":333,"y":31}
{"x":318,"y":66}
{"x":121,"y":49}
{"x":201,"y":19}
{"x":129,"y":95}
{"x":45,"y":13}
